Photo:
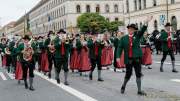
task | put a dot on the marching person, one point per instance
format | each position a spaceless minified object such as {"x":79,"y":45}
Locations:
{"x":167,"y":47}
{"x":26,"y":57}
{"x":132,"y":54}
{"x":118,"y":64}
{"x":146,"y":49}
{"x":95,"y":51}
{"x":2,"y":48}
{"x":49,"y":46}
{"x":61,"y":55}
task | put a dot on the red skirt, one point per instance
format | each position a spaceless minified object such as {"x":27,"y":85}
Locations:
{"x":147,"y":56}
{"x":84,"y":60}
{"x":74,"y":60}
{"x":4,"y":61}
{"x":120,"y":64}
{"x":107,"y":56}
{"x":44,"y":62}
{"x":19,"y":71}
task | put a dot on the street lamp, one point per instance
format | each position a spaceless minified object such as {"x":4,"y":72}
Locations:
{"x":167,"y":10}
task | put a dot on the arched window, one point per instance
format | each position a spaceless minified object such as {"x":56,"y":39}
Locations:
{"x":97,"y":8}
{"x":78,"y":9}
{"x":88,"y":9}
{"x":154,"y":3}
{"x":127,"y":6}
{"x":144,"y":4}
{"x":140,"y":7}
{"x":172,"y":1}
{"x":174,"y":23}
{"x":155,"y":25}
{"x":107,"y":8}
{"x":135,"y":5}
{"x":116,"y":8}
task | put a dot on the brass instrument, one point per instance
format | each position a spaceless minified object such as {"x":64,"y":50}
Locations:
{"x":7,"y":51}
{"x":51,"y":45}
{"x":28,"y":53}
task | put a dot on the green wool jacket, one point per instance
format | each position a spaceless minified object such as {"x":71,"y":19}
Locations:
{"x":57,"y":45}
{"x":91,"y":47}
{"x":163,"y":38}
{"x":124,"y":45}
{"x":2,"y":46}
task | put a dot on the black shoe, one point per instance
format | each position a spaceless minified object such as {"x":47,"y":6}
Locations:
{"x":174,"y":71}
{"x":49,"y":75}
{"x":114,"y":69}
{"x":26,"y":85}
{"x":100,"y":79}
{"x":90,"y":77}
{"x":142,"y":93}
{"x":122,"y":90}
{"x":58,"y":81}
{"x":161,"y":70}
{"x":19,"y":82}
{"x":66,"y":83}
{"x":149,"y":68}
{"x":31,"y":88}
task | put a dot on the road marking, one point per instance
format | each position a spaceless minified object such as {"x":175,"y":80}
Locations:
{"x":10,"y":75}
{"x":70,"y":90}
{"x":176,"y":80}
{"x":167,"y":63}
{"x":3,"y":76}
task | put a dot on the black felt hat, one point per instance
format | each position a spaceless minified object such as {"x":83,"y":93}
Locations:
{"x":132,"y":26}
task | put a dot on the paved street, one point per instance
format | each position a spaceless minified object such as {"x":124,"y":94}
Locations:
{"x":159,"y":86}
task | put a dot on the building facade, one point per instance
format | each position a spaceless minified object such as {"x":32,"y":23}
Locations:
{"x":57,"y":14}
{"x":136,"y":11}
{"x":8,"y":29}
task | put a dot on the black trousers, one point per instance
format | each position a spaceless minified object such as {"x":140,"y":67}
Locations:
{"x":94,"y":62}
{"x":51,"y":60}
{"x":165,"y":53}
{"x":28,"y":65}
{"x":136,"y":64}
{"x":8,"y":60}
{"x":61,"y":64}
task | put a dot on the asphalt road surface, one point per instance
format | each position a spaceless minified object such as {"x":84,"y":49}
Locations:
{"x":159,"y":86}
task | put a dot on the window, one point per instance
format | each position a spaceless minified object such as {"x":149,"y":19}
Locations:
{"x":135,"y":5}
{"x":174,"y":23}
{"x":107,"y":8}
{"x":78,"y":9}
{"x":172,"y":1}
{"x":140,"y":7}
{"x":154,"y":3}
{"x":155,"y":25}
{"x":144,"y":4}
{"x":127,"y":6}
{"x":88,"y":9}
{"x":116,"y":19}
{"x":97,"y":8}
{"x":107,"y":19}
{"x":116,"y":8}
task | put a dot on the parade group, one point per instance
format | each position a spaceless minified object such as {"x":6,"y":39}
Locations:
{"x":83,"y":53}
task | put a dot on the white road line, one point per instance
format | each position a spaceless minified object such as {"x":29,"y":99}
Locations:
{"x":167,"y":63}
{"x":3,"y":76}
{"x":176,"y":80}
{"x":70,"y":90}
{"x":10,"y":75}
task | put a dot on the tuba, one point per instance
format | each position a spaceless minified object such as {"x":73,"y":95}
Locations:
{"x":28,"y":53}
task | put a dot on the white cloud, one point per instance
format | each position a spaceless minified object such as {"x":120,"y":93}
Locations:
{"x":11,"y":10}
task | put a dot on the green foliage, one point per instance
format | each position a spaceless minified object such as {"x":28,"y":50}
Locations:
{"x":92,"y":23}
{"x":113,"y":26}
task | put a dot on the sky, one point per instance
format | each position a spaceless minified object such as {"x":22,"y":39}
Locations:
{"x":12,"y":10}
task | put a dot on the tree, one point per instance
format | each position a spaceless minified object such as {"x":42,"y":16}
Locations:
{"x":113,"y":26}
{"x":92,"y":23}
